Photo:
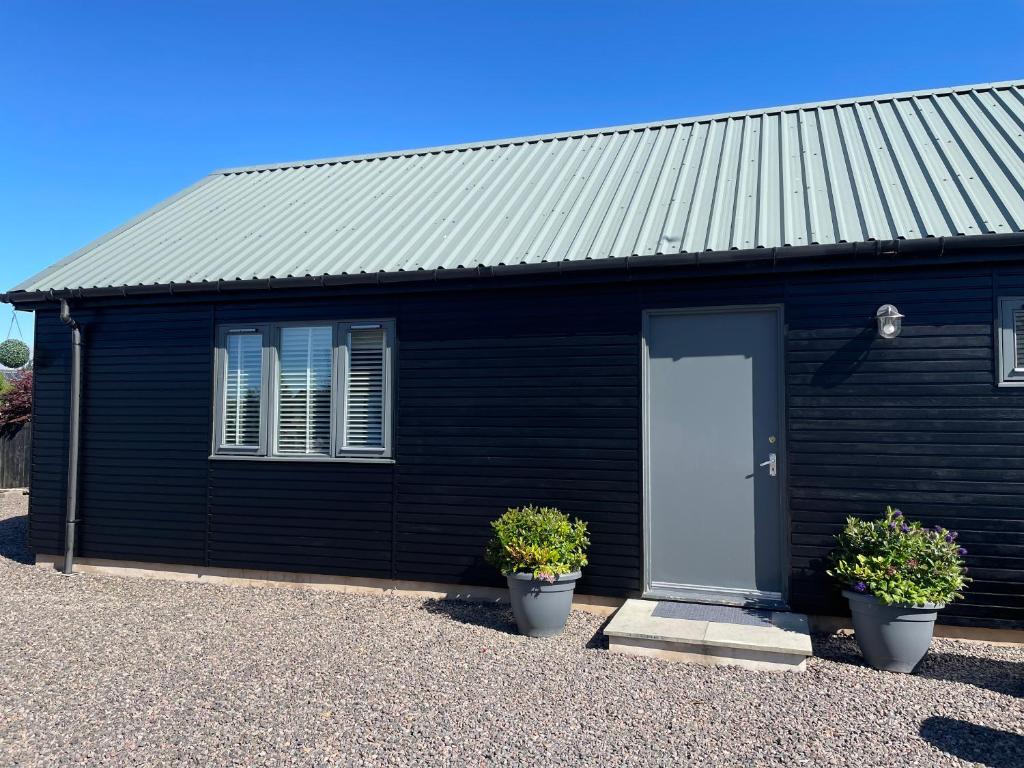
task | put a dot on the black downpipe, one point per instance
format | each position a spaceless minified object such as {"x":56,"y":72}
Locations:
{"x":71,"y":520}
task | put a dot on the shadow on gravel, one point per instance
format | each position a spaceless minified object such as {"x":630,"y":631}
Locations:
{"x":1006,"y":677}
{"x":14,"y":539}
{"x":496,"y":617}
{"x":996,"y":675}
{"x":599,"y":642}
{"x":838,"y":648}
{"x":974,"y":743}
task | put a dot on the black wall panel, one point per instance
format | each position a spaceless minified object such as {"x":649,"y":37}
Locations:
{"x":533,"y":394}
{"x":48,"y":488}
{"x":145,"y":434}
{"x":915,"y":421}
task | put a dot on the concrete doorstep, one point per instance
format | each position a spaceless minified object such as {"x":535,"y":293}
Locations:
{"x":784,"y":645}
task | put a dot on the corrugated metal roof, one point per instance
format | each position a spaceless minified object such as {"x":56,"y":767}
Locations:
{"x":902,"y":166}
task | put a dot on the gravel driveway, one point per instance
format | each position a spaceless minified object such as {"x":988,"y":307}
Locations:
{"x":111,"y":671}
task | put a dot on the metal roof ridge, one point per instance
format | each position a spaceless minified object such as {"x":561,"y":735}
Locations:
{"x":580,"y":133}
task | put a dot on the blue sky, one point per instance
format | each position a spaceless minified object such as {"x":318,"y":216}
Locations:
{"x":107,"y":108}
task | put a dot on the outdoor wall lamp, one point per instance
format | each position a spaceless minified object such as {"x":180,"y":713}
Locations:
{"x":889,"y":321}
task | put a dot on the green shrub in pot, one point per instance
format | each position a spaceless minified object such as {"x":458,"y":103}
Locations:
{"x":539,"y":540}
{"x":896,"y":574}
{"x":541,"y":553}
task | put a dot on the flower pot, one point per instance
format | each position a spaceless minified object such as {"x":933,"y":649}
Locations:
{"x":541,"y":607}
{"x":893,"y":638}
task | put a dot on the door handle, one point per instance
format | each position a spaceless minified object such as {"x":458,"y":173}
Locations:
{"x":772,"y":464}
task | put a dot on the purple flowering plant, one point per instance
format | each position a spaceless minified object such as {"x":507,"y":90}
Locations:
{"x":538,"y":540}
{"x":899,"y":561}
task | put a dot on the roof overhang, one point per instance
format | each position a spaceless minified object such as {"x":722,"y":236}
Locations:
{"x":842,"y":256}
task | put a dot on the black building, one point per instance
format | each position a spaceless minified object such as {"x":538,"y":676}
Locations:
{"x":350,"y":366}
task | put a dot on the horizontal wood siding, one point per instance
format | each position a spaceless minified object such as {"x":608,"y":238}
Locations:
{"x":324,"y":517}
{"x":301,"y":516}
{"x":915,"y":421}
{"x":15,"y":456}
{"x":145,"y":434}
{"x":496,"y":406}
{"x":533,"y":395}
{"x":502,"y":404}
{"x":51,"y":362}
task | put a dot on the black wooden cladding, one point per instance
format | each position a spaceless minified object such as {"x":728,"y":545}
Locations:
{"x":533,"y":395}
{"x":15,"y":455}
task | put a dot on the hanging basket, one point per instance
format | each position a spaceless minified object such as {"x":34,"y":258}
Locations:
{"x":13,"y":353}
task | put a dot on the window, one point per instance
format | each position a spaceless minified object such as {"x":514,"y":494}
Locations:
{"x":1010,"y":335}
{"x":304,"y":361}
{"x":366,"y":405}
{"x":305,"y":390}
{"x":242,"y":405}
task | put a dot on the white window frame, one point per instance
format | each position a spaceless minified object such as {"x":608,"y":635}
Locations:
{"x":1009,"y":375}
{"x":271,"y":333}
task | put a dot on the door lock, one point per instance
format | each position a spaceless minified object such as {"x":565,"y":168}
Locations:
{"x":772,"y":464}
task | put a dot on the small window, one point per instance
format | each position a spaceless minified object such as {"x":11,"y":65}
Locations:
{"x":305,"y":390}
{"x":1011,"y":341}
{"x":242,"y":404}
{"x":365,"y":373}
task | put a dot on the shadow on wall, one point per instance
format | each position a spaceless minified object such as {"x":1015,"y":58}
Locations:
{"x":14,"y":539}
{"x":833,"y":372}
{"x":844,"y":361}
{"x":974,"y":743}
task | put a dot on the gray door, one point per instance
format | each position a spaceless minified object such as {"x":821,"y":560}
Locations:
{"x":714,"y":525}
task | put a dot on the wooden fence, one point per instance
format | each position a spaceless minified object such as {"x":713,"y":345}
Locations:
{"x":15,"y":456}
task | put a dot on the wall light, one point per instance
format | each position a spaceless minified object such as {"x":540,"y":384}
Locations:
{"x":890,"y":321}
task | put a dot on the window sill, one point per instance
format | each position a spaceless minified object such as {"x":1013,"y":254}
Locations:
{"x":307,"y":459}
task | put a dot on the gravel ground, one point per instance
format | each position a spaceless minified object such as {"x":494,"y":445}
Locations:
{"x":105,"y":671}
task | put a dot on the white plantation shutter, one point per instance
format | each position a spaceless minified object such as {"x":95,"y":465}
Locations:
{"x":1011,"y":341}
{"x":304,"y":390}
{"x":1018,"y":337}
{"x":242,"y":394}
{"x":364,"y":420}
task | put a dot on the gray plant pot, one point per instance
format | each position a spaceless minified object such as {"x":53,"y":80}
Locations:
{"x":540,"y":607}
{"x":893,"y":638}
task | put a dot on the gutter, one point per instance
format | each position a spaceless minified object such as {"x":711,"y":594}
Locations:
{"x":71,"y":515}
{"x":786,"y":258}
{"x":780,"y":259}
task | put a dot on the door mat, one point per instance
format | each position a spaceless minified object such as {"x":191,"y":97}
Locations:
{"x":725,"y":614}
